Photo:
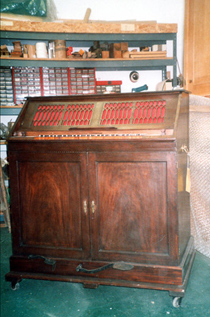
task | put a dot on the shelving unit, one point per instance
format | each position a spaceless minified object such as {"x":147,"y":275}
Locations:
{"x":82,"y":35}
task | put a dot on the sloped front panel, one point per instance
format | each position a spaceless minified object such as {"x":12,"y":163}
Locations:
{"x":62,"y":115}
{"x":128,"y":113}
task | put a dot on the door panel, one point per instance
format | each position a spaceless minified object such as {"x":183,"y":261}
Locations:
{"x":51,"y":195}
{"x":130,"y":193}
{"x":131,"y":217}
{"x":197,"y":47}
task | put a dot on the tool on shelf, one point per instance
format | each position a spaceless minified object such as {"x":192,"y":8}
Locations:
{"x":141,"y":88}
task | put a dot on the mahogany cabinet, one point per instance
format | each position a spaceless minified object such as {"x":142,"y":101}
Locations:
{"x":98,"y":191}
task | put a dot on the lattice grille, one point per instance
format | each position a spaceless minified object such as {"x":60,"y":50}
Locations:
{"x":111,"y":113}
{"x":62,"y":115}
{"x":48,"y":115}
{"x":133,"y":113}
{"x":78,"y":115}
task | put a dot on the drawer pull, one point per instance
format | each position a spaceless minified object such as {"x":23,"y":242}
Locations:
{"x":79,"y":268}
{"x":46,"y":260}
{"x":122,"y":266}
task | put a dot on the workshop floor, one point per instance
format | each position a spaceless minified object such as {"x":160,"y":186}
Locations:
{"x":57,"y":299}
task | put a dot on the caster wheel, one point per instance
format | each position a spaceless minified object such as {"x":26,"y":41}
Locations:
{"x":15,"y":286}
{"x":177,"y":302}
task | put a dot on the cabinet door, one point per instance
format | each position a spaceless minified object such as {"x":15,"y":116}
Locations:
{"x":47,"y":208}
{"x":134,"y":215}
{"x":197,"y":47}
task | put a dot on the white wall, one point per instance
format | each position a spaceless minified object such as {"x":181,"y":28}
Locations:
{"x":162,"y":11}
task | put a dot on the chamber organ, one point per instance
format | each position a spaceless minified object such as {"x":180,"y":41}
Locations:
{"x":98,"y":190}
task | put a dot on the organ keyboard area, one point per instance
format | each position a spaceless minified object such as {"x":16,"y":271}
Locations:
{"x":113,"y":116}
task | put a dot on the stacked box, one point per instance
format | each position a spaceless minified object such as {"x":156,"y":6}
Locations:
{"x":82,"y":81}
{"x":6,"y":87}
{"x":55,"y":81}
{"x":26,"y":82}
{"x":112,"y":86}
{"x":51,"y":81}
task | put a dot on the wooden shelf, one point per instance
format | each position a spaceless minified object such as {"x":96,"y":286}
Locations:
{"x":81,"y":59}
{"x":9,"y":107}
{"x":98,"y":63}
{"x":91,"y":27}
{"x":10,"y":110}
{"x":3,"y":142}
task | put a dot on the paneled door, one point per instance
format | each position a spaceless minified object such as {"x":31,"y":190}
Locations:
{"x":197,"y":47}
{"x":50,"y":215}
{"x":132,"y":197}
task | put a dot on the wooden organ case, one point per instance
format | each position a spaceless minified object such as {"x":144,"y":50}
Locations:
{"x":98,"y":191}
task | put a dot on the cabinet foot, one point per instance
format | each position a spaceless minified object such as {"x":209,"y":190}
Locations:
{"x":15,"y":283}
{"x":177,"y":302}
{"x":89,"y":285}
{"x":14,"y":280}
